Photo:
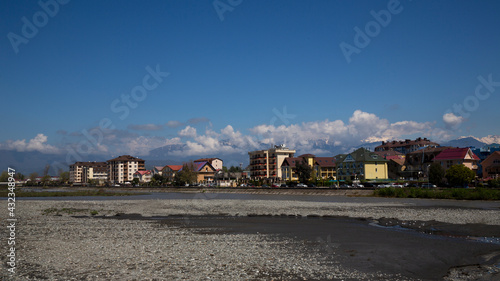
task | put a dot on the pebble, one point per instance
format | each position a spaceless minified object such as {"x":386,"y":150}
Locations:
{"x":67,"y":248}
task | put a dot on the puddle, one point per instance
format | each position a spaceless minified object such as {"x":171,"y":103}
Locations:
{"x":473,"y":232}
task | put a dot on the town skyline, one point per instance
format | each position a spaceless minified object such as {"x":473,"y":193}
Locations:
{"x":217,"y":77}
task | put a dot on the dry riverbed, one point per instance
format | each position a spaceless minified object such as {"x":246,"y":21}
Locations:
{"x":250,"y":240}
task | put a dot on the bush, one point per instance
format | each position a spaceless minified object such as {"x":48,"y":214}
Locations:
{"x":455,"y":193}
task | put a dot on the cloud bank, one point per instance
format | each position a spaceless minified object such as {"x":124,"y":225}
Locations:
{"x":362,"y":127}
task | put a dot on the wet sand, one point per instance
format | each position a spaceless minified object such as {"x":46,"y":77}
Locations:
{"x":415,"y":250}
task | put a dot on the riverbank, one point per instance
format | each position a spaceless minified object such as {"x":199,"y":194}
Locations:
{"x":127,"y":240}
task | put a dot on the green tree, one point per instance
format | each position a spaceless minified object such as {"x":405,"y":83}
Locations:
{"x":303,"y":171}
{"x":459,"y":175}
{"x":135,"y":181}
{"x":4,"y":177}
{"x":158,"y":179}
{"x":63,"y":177}
{"x":33,"y":177}
{"x":187,"y":175}
{"x":20,"y":176}
{"x":45,"y":180}
{"x":234,"y":169}
{"x":436,"y":174}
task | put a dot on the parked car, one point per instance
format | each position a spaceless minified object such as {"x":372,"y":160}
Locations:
{"x":283,"y":185}
{"x":275,"y":185}
{"x":301,"y":185}
{"x":265,"y":186}
{"x":311,"y":185}
{"x":428,"y":185}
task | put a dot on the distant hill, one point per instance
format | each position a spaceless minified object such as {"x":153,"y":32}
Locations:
{"x":34,"y":161}
{"x":465,"y":142}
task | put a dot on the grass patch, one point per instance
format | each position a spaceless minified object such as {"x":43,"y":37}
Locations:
{"x":453,"y":193}
{"x":100,"y":192}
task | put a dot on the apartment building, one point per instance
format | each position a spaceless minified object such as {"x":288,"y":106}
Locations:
{"x":491,"y":166}
{"x":361,"y":164}
{"x":122,"y":168}
{"x":266,"y":164}
{"x":406,"y":146}
{"x":324,"y":167}
{"x":83,"y":172}
{"x":216,"y":163}
{"x":457,"y":156}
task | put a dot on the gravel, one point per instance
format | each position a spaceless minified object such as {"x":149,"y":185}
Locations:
{"x":62,"y":240}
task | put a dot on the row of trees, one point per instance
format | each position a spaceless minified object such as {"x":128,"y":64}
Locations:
{"x":45,"y":180}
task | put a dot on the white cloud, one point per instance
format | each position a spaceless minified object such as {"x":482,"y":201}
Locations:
{"x":451,"y":120}
{"x":189,"y":132}
{"x":362,"y":127}
{"x":38,"y":143}
{"x":490,"y":139}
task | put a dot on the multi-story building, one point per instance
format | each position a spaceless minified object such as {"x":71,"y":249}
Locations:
{"x":323,"y":167}
{"x":361,"y":164}
{"x":406,"y":146}
{"x":491,"y":166}
{"x":417,"y":163}
{"x":122,"y":168}
{"x":395,"y":164}
{"x":457,"y":156}
{"x":143,"y":176}
{"x":266,"y":164}
{"x":205,"y":172}
{"x":216,"y":163}
{"x":169,"y":171}
{"x":83,"y":172}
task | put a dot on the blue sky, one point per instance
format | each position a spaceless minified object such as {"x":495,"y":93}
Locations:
{"x":234,"y":74}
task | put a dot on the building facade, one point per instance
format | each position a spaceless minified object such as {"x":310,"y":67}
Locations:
{"x":169,"y":171}
{"x":361,"y":164}
{"x":323,"y":167}
{"x":143,"y":176}
{"x":122,"y":168}
{"x":205,"y":172}
{"x":266,"y":164}
{"x":83,"y":172}
{"x":216,"y":163}
{"x":491,"y":166}
{"x":406,"y":146}
{"x":457,"y":156}
{"x":417,"y":163}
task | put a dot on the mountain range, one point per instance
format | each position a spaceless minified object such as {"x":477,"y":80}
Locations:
{"x":34,"y":161}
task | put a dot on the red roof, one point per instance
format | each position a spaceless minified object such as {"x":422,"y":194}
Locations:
{"x":143,"y":172}
{"x":174,"y":167}
{"x":454,"y":154}
{"x":325,"y":161}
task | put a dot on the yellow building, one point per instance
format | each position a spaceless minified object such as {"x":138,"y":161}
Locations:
{"x":361,"y":164}
{"x":323,"y":167}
